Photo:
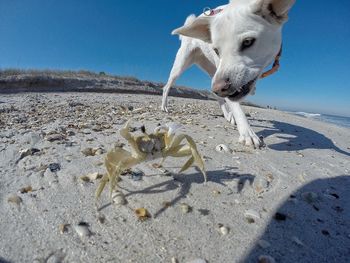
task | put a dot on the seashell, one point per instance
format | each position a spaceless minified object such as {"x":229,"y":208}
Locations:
{"x":224,"y":230}
{"x":142,"y":214}
{"x":82,"y":229}
{"x":263,"y":244}
{"x":251,"y":216}
{"x":266,"y":259}
{"x":222,"y":148}
{"x":118,"y":198}
{"x":185,"y":208}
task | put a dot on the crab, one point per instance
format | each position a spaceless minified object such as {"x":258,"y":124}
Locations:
{"x":162,"y":143}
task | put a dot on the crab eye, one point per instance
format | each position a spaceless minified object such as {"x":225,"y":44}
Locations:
{"x":217,"y":51}
{"x":247,"y":43}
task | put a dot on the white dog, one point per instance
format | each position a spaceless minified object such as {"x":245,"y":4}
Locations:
{"x":233,"y":43}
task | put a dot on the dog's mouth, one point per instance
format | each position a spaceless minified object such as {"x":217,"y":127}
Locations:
{"x":242,"y":91}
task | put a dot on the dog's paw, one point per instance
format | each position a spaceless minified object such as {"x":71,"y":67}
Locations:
{"x":249,"y":138}
{"x":164,"y":108}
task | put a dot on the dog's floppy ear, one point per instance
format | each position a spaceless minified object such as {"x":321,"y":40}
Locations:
{"x":273,"y":10}
{"x":196,"y":27}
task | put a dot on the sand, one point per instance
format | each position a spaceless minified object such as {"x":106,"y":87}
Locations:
{"x":289,"y":201}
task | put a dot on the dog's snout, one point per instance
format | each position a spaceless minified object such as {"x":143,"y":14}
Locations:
{"x":221,"y":87}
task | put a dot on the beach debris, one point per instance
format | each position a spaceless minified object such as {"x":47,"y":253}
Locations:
{"x":223,"y":148}
{"x":263,"y":244}
{"x":142,"y":214}
{"x":280,"y":216}
{"x":309,"y":197}
{"x":63,"y":228}
{"x":223,"y":229}
{"x":14,"y":199}
{"x":54,"y":167}
{"x":251,"y":216}
{"x":27,"y":152}
{"x":261,"y":185}
{"x":216,"y":192}
{"x":91,"y":177}
{"x":101,"y":218}
{"x":185,"y":208}
{"x":160,"y":144}
{"x":92,"y":151}
{"x":204,"y":212}
{"x":266,"y":259}
{"x":300,"y":154}
{"x":174,"y":260}
{"x":118,"y":198}
{"x":82,"y":229}
{"x":26,"y":189}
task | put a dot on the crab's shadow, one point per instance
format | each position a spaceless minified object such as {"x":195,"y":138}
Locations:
{"x":185,"y":182}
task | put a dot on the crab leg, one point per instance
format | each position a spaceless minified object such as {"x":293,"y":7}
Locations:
{"x":177,"y":150}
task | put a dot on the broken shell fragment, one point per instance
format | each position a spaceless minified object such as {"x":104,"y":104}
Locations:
{"x":222,"y":148}
{"x":118,"y":198}
{"x":142,"y":214}
{"x":91,"y":177}
{"x":63,"y":228}
{"x":251,"y":216}
{"x":26,"y":189}
{"x":82,"y":229}
{"x":185,"y":208}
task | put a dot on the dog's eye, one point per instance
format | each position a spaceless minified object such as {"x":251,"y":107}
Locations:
{"x":248,"y":42}
{"x":217,"y":51}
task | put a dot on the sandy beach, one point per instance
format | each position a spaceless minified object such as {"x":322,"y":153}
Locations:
{"x":286,"y":202}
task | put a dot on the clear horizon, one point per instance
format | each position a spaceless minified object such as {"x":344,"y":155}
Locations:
{"x":133,"y":38}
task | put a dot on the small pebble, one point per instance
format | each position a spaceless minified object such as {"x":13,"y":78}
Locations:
{"x":91,"y":177}
{"x":54,"y":167}
{"x":280,"y":217}
{"x":263,"y":244}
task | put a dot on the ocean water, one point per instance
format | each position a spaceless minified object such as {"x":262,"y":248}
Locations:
{"x":337,"y":120}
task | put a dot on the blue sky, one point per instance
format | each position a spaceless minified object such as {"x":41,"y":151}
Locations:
{"x":133,"y":38}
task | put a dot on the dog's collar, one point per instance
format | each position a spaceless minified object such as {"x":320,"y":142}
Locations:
{"x":276,"y":64}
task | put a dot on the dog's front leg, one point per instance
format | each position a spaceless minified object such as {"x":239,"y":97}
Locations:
{"x":246,"y":135}
{"x":228,"y":114}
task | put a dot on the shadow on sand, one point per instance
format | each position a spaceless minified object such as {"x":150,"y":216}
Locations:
{"x":297,"y":138}
{"x":186,"y":181}
{"x":317,"y":229}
